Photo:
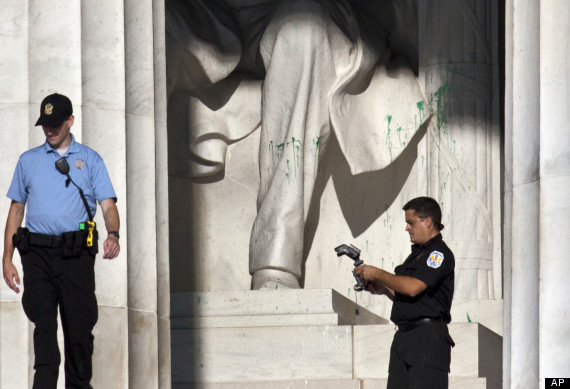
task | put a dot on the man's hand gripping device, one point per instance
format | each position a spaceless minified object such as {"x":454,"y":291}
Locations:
{"x":354,"y":254}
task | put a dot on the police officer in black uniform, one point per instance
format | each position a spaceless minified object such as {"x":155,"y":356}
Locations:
{"x":422,"y":290}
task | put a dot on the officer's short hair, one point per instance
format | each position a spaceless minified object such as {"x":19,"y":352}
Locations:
{"x":426,"y":206}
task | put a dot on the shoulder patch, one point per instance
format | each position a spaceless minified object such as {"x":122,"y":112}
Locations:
{"x":435,"y":259}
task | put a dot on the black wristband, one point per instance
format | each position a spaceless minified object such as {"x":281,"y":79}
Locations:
{"x":113,"y":233}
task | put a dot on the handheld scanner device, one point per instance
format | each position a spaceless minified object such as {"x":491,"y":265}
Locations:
{"x":354,"y":254}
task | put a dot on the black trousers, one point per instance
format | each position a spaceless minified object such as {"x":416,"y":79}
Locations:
{"x":420,"y":358}
{"x":51,"y":282}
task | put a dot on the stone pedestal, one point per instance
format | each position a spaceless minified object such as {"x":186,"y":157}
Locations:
{"x":289,"y":337}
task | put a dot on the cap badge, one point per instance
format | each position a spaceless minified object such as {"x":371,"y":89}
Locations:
{"x":435,"y":259}
{"x":48,"y":109}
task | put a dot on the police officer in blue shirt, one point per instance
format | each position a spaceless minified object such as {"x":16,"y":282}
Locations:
{"x":59,"y":243}
{"x":422,"y":291}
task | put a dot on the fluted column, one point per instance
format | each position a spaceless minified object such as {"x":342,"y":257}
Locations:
{"x":103,"y":108}
{"x":141,"y":198}
{"x":162,"y":233}
{"x":508,"y":196}
{"x":106,"y":56}
{"x":14,"y":113}
{"x":554,"y":290}
{"x":525,"y":181}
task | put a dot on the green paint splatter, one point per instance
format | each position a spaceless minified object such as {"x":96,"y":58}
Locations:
{"x":296,"y":149}
{"x":387,"y":218}
{"x":468,"y":318}
{"x":280,"y":149}
{"x":388,"y":135}
{"x":441,"y":111}
{"x":317,"y":144}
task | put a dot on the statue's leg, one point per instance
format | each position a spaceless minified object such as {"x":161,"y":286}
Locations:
{"x":301,"y":49}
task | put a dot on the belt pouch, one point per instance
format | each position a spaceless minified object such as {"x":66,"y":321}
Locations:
{"x":68,"y":249}
{"x":78,"y":238}
{"x":20,"y":240}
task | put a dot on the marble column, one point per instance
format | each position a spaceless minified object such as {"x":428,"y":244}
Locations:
{"x":525,"y":216}
{"x":508,"y":195}
{"x":141,"y":174}
{"x":14,"y":113}
{"x":108,"y":57}
{"x":103,"y":110}
{"x":161,"y":190}
{"x":554,"y":205}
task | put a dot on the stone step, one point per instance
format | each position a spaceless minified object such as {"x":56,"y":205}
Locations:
{"x":477,"y":352}
{"x":305,"y":336}
{"x":322,"y":319}
{"x":304,"y":384}
{"x":454,"y":383}
{"x":261,"y":354}
{"x":267,"y":308}
{"x":218,"y":355}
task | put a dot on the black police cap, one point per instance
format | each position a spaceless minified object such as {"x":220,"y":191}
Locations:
{"x":54,"y":110}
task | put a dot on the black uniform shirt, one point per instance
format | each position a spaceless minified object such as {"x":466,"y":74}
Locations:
{"x":433,"y":263}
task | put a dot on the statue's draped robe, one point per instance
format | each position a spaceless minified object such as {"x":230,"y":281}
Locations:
{"x":297,"y":70}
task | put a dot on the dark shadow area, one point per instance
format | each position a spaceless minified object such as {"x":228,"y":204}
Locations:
{"x":364,"y":197}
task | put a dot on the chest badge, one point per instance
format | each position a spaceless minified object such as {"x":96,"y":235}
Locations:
{"x":79,"y":163}
{"x":435,"y":259}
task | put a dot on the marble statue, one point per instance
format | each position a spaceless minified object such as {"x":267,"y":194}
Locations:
{"x":300,"y":71}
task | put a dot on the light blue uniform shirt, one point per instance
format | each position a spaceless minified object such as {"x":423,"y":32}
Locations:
{"x":51,"y":207}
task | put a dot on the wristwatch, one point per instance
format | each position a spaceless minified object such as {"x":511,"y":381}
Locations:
{"x":114,"y":233}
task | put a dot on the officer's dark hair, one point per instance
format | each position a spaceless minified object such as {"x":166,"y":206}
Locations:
{"x":426,"y":207}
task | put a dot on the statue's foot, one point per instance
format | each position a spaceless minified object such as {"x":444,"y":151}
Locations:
{"x":271,"y":279}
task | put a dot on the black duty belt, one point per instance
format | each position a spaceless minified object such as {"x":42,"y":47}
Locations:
{"x":72,"y":243}
{"x":410,"y":325}
{"x":35,"y":239}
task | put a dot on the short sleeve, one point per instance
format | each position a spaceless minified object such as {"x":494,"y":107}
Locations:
{"x":101,"y":182}
{"x":435,"y":267}
{"x":18,"y":191}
